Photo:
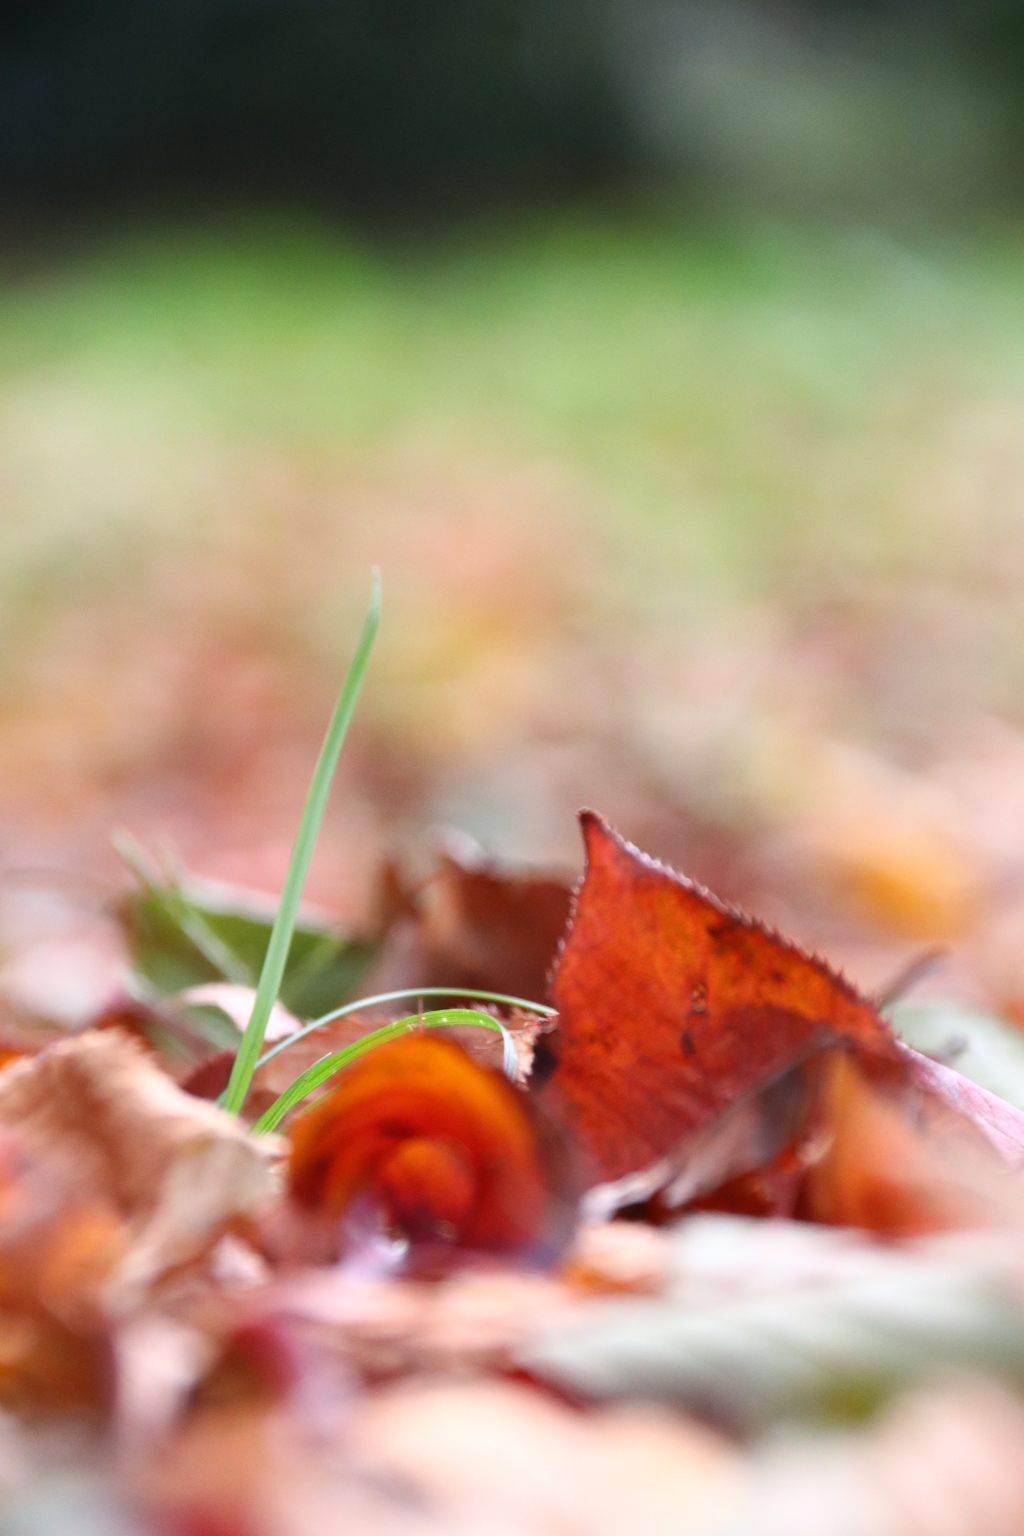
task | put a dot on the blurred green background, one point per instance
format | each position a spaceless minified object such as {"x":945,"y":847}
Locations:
{"x":668,"y":358}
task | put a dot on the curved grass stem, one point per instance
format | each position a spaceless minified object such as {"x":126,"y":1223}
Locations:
{"x":390,"y":997}
{"x":327,"y":1066}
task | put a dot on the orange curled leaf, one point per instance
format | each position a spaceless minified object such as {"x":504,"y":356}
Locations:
{"x":672,"y":1006}
{"x":446,"y":1148}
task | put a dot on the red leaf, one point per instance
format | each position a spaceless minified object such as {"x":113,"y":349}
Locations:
{"x":672,"y":1005}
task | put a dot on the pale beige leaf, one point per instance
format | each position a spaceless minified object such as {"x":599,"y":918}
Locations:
{"x":177,"y":1169}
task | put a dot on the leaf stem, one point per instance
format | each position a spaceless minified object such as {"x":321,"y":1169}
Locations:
{"x":302,"y":851}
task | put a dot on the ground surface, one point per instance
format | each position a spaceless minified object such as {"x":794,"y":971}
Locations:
{"x":662,"y":516}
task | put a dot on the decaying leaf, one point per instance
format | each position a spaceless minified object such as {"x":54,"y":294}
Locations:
{"x":181,"y":1039}
{"x":672,"y":1007}
{"x":823,"y":1141}
{"x":702,"y":1062}
{"x":802,"y":1340}
{"x":445,"y":1148}
{"x":468,"y":1459}
{"x":158,"y":1361}
{"x":176,"y":1171}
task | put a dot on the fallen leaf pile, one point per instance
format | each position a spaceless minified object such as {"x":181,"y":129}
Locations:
{"x":728,"y":1256}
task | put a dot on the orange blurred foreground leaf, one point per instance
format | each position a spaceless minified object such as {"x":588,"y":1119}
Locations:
{"x":445,"y":1148}
{"x":672,"y":1006}
{"x":902,"y":1176}
{"x":55,"y":1354}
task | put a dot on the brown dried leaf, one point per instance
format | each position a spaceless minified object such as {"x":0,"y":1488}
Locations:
{"x":486,"y":926}
{"x":177,"y":1171}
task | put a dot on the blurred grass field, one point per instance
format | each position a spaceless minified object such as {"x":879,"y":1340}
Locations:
{"x":758,"y":399}
{"x":652,"y":505}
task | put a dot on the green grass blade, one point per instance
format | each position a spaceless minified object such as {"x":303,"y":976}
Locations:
{"x":327,"y":1066}
{"x":390,"y":997}
{"x":309,"y":825}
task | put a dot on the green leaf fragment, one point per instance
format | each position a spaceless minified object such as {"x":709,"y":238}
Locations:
{"x":183,"y":935}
